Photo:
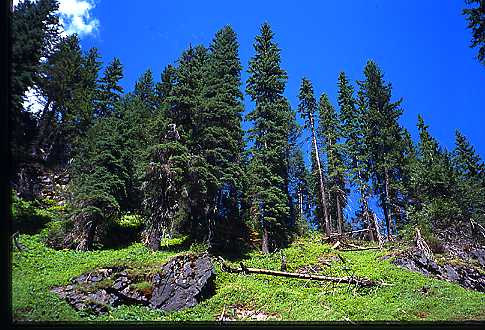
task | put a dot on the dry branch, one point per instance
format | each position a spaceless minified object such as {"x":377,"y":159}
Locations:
{"x":422,"y":245}
{"x":363,"y":282}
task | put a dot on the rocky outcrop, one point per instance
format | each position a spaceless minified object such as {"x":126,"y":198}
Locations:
{"x":182,"y":282}
{"x":463,"y":273}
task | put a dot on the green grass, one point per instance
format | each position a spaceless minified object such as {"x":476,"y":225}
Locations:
{"x":34,"y":272}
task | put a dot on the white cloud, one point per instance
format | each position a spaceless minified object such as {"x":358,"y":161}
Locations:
{"x":75,"y":16}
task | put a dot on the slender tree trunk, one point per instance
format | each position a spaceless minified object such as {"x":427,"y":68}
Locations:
{"x":45,"y":121}
{"x":386,"y":204}
{"x":323,"y":197}
{"x":339,"y":215}
{"x":265,"y":243}
{"x":300,"y":204}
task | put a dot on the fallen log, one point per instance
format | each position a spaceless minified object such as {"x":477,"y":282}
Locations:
{"x":354,"y":247}
{"x":349,"y":233}
{"x":362,"y":282}
{"x":361,"y":249}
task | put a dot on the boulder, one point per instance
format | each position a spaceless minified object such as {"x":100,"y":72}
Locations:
{"x":182,"y":282}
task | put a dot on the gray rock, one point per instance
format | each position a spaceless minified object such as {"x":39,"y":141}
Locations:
{"x":182,"y":282}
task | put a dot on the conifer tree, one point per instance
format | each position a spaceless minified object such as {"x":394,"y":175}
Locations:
{"x":165,"y":85}
{"x":299,"y":177}
{"x":353,"y":130}
{"x":109,"y":89}
{"x":145,"y":90}
{"x":329,"y":131}
{"x":218,"y":129}
{"x":383,"y":137}
{"x":98,"y":182}
{"x":268,"y":168}
{"x":470,"y":171}
{"x":468,"y":162}
{"x":307,"y":109}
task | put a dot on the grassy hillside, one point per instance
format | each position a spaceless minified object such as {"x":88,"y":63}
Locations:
{"x":247,"y":296}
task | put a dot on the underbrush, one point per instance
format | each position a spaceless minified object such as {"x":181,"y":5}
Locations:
{"x":38,"y":269}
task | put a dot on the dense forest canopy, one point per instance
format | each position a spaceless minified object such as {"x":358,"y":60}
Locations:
{"x":172,"y":151}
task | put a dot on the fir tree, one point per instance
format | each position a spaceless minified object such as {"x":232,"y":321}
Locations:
{"x":307,"y":109}
{"x":268,"y":167}
{"x":109,"y":89}
{"x":329,"y":130}
{"x":468,"y":162}
{"x":353,"y":130}
{"x":145,"y":90}
{"x":98,"y":182}
{"x":383,"y":138}
{"x":218,"y":129}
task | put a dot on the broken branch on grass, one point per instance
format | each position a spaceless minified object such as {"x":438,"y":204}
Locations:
{"x":362,"y":282}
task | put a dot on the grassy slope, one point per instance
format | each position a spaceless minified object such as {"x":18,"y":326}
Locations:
{"x":38,"y":269}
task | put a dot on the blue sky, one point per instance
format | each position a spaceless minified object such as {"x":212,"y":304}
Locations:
{"x":422,"y":47}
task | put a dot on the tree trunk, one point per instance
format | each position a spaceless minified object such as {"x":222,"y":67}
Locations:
{"x":265,"y":243}
{"x":323,"y":197}
{"x":386,"y":204}
{"x":339,"y":215}
{"x":350,"y":280}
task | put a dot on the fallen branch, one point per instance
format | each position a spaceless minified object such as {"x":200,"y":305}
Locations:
{"x":361,"y":249}
{"x":362,"y":282}
{"x":354,"y":247}
{"x":349,"y":233}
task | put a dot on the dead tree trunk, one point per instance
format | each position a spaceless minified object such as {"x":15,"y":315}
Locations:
{"x":321,"y":186}
{"x":422,"y":245}
{"x":363,"y":282}
{"x":339,"y":215}
{"x":386,"y":204}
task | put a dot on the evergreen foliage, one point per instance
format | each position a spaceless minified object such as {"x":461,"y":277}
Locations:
{"x":476,"y":22}
{"x":329,"y":132}
{"x":268,"y":167}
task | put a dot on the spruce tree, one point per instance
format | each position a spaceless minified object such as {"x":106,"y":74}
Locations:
{"x":268,"y":168}
{"x":109,"y":89}
{"x":145,"y":90}
{"x":470,"y":171}
{"x":329,"y":131}
{"x":383,"y":138}
{"x":218,"y":129}
{"x":353,"y":131}
{"x":98,"y":183}
{"x":468,"y":162}
{"x":307,"y":109}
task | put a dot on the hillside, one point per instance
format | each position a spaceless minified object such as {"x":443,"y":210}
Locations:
{"x":411,"y":296}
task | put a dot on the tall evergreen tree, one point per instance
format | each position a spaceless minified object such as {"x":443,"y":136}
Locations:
{"x":356,"y":157}
{"x":268,"y":168}
{"x":329,"y":131}
{"x":470,"y":171}
{"x":383,"y":137}
{"x":218,"y":130}
{"x":109,"y":89}
{"x":145,"y":90}
{"x":307,"y":109}
{"x":98,"y":182}
{"x":468,"y":161}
